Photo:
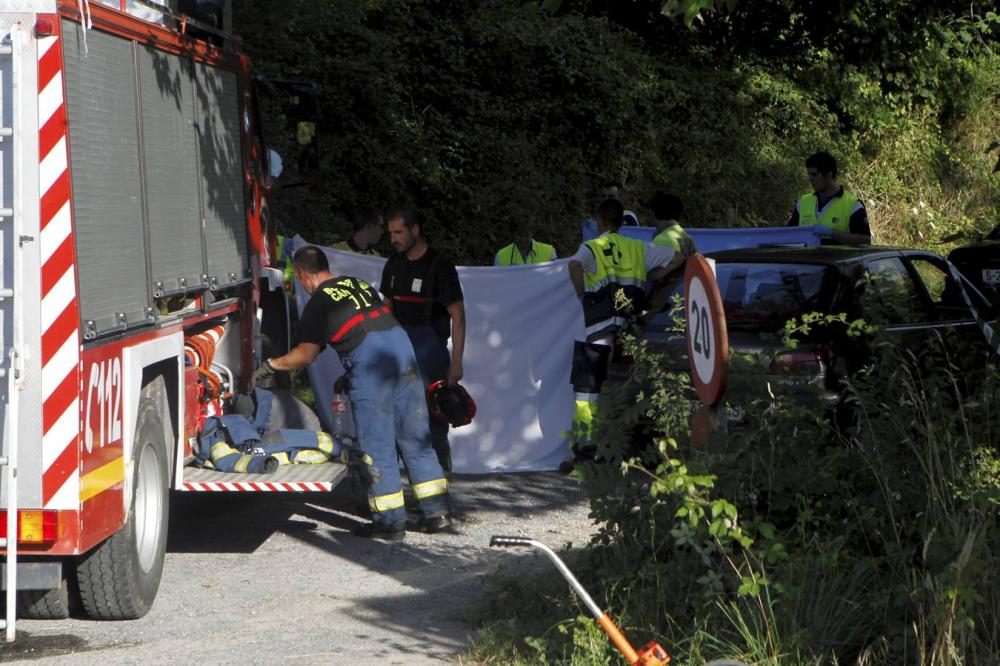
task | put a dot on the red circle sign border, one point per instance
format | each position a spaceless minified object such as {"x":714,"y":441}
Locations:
{"x":712,"y":391}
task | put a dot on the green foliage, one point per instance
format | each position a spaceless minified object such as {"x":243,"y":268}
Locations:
{"x":864,"y":534}
{"x":800,"y":327}
{"x":482,"y":113}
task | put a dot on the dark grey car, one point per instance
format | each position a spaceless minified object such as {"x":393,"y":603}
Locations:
{"x":907,"y":295}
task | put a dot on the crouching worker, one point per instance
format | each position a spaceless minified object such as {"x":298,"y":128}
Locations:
{"x":384,"y":387}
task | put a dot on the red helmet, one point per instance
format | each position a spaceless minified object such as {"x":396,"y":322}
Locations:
{"x":451,"y":404}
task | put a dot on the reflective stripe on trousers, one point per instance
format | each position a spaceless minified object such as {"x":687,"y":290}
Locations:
{"x":430,"y":488}
{"x":384,"y":503}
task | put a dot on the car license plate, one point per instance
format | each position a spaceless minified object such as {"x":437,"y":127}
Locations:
{"x":991,"y":276}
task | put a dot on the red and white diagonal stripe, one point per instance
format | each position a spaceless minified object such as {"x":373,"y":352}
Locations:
{"x":59,"y":312}
{"x":257,"y":486}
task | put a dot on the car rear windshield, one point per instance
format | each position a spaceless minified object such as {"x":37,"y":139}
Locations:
{"x":758,"y":296}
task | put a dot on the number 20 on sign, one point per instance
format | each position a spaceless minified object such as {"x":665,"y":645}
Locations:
{"x":708,"y":341}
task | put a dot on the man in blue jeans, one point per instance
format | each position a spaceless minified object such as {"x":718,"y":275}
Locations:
{"x":423,"y":289}
{"x":386,"y":390}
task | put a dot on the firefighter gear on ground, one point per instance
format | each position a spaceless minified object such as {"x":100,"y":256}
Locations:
{"x":234,"y":443}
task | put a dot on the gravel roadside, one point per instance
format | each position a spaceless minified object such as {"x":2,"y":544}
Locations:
{"x":264,"y":579}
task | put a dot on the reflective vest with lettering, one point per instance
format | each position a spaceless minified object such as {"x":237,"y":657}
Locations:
{"x":616,"y":291}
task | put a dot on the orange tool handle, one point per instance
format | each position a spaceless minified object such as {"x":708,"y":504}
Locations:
{"x":651,"y":655}
{"x":618,"y":638}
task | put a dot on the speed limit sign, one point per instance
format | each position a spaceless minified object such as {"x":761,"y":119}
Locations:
{"x":708,"y":342}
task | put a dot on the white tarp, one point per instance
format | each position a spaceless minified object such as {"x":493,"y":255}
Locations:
{"x":520,"y":325}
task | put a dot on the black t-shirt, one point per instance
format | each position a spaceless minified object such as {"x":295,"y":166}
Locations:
{"x":341,"y":312}
{"x":422,"y":289}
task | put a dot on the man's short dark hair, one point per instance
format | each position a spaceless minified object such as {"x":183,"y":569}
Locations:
{"x":310,"y":259}
{"x":666,"y":206}
{"x":611,"y":212}
{"x":364,"y":217}
{"x":822,"y":162}
{"x":409,"y":217}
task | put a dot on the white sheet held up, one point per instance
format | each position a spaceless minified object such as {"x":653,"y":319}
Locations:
{"x":521,"y":322}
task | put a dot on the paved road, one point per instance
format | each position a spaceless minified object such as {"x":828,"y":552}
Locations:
{"x":267,"y":579}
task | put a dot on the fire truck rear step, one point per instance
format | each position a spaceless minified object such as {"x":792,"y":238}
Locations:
{"x":288,"y":478}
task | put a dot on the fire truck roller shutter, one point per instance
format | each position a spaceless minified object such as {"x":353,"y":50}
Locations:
{"x":119,"y":578}
{"x":103,"y":124}
{"x":220,"y":155}
{"x":176,"y":248}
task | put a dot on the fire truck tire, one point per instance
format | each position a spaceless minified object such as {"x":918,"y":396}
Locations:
{"x":44,"y":604}
{"x":119,"y":578}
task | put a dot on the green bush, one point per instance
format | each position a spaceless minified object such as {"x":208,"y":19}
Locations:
{"x":484,"y":112}
{"x":795,"y":541}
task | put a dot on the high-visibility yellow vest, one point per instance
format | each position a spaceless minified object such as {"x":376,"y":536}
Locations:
{"x":675,"y":238}
{"x":836,"y":215}
{"x":616,"y":291}
{"x":539,"y":253}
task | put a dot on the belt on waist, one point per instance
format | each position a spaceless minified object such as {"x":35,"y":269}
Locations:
{"x":411,"y":299}
{"x":357,"y":319}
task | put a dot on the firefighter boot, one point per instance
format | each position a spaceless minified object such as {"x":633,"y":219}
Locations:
{"x":382,"y":531}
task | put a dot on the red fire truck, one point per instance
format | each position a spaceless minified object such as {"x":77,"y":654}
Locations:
{"x":134,"y":288}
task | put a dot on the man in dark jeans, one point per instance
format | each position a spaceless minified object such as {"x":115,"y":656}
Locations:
{"x":423,"y":290}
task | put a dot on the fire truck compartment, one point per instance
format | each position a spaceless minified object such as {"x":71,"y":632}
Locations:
{"x":156,"y":159}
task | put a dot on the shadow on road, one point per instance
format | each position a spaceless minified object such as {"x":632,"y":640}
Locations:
{"x":441,"y":574}
{"x":241,"y":522}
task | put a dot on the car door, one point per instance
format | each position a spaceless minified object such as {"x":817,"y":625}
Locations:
{"x":893,"y":302}
{"x":951,"y":314}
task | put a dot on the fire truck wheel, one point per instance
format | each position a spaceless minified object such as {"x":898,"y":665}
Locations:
{"x":119,"y":578}
{"x":44,"y":604}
